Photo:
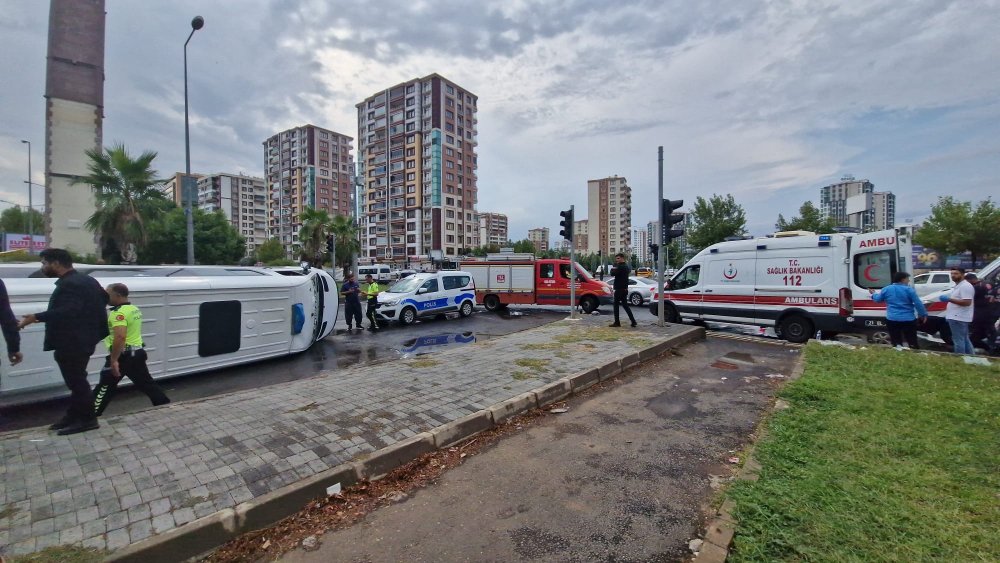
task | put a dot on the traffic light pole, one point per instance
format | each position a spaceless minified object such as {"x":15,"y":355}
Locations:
{"x":660,"y":268}
{"x":572,"y":271}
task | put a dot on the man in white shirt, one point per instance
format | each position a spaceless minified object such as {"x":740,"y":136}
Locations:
{"x":960,"y":311}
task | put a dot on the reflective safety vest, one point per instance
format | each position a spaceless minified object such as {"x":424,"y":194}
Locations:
{"x":130,"y":317}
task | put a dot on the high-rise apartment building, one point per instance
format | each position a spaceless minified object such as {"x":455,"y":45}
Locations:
{"x":884,"y":204}
{"x":855,"y":203}
{"x":640,"y":246}
{"x":242,"y":199}
{"x":609,"y":213}
{"x":540,"y":238}
{"x":306,"y":167}
{"x":493,"y":229}
{"x":172,"y":187}
{"x":581,"y":231}
{"x":417,"y":164}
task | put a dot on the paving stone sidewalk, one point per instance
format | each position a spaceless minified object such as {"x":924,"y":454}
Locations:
{"x":146,"y":473}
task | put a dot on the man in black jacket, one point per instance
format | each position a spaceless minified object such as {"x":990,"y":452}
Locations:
{"x":9,"y":324}
{"x":74,"y":323}
{"x":621,"y":272}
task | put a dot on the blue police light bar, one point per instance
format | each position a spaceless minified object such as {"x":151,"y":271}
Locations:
{"x":824,"y":237}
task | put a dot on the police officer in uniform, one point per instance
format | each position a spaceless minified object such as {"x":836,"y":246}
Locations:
{"x":352,"y":302}
{"x":126,"y":352}
{"x":372,"y":289}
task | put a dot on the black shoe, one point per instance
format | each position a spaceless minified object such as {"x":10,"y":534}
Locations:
{"x":634,"y":324}
{"x":79,"y":426}
{"x":615,"y":324}
{"x":63,"y":423}
{"x":349,"y":329}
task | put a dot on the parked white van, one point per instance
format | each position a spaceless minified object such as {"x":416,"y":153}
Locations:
{"x":428,"y":294}
{"x":381,"y":272}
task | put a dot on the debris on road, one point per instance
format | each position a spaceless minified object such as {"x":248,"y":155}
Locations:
{"x":333,"y":489}
{"x":734,"y":459}
{"x":774,"y":376}
{"x":695,"y":545}
{"x":310,"y":543}
{"x":559,"y":410}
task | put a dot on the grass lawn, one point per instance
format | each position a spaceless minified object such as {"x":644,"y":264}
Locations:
{"x":882,"y":456}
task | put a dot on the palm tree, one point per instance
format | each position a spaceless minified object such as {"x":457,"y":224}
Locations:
{"x":312,"y":233}
{"x":125,"y":190}
{"x":345,"y":234}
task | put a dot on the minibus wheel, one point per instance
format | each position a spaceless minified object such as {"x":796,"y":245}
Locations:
{"x":491,"y":302}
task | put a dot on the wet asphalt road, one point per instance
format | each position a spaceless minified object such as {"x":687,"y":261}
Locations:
{"x":338,"y":351}
{"x":626,"y":475}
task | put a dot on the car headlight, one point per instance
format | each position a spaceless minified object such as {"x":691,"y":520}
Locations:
{"x":607,"y":290}
{"x":391,"y":302}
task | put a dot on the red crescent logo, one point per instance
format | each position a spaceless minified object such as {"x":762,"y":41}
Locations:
{"x":730,"y":273}
{"x":868,"y":274}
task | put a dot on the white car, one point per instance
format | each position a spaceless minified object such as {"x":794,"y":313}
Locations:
{"x":640,"y":290}
{"x":928,"y":283}
{"x":426,"y":295}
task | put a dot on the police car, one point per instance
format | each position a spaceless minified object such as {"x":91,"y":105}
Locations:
{"x":428,"y":294}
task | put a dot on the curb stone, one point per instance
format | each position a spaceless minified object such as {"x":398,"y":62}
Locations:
{"x":201,"y":536}
{"x":721,"y":528}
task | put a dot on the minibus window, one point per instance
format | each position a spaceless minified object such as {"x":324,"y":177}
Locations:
{"x":219,"y":327}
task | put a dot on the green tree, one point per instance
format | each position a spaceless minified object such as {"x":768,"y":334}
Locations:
{"x":312,"y":233}
{"x":524,"y":246}
{"x":955,"y":227}
{"x":125,"y":189}
{"x":15,"y":220}
{"x":346,"y":243}
{"x":713,"y":220}
{"x":270,"y":251}
{"x":216,"y":241}
{"x":676,"y":257}
{"x":810,"y":219}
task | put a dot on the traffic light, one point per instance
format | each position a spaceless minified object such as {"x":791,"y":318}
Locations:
{"x":329,"y":244}
{"x":654,"y":249}
{"x":668,"y":219}
{"x":567,"y":224}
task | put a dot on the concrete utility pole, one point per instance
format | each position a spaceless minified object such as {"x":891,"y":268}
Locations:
{"x":661,"y":256}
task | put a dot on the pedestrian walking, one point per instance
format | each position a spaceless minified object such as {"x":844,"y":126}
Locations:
{"x":960,"y":312}
{"x":620,"y":273}
{"x":902,"y":309}
{"x":74,"y":323}
{"x":126,"y":352}
{"x":9,"y":325}
{"x":371,"y":291}
{"x":982,"y":333}
{"x":352,"y":301}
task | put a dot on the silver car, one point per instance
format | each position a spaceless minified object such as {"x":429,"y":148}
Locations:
{"x":640,"y":290}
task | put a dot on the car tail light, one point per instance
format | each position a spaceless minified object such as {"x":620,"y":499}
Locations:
{"x":846,"y":302}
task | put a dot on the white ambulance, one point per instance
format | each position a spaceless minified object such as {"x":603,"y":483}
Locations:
{"x":796,"y":282}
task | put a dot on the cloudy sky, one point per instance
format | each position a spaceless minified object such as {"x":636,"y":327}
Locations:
{"x":767,"y":100}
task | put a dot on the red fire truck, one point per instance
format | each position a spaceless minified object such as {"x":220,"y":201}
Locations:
{"x":508,"y":279}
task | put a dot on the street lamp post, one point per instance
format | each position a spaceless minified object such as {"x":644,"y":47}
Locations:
{"x":197,"y":23}
{"x":31,"y":207}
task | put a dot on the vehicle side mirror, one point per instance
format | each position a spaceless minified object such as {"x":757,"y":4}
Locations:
{"x":422,"y":290}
